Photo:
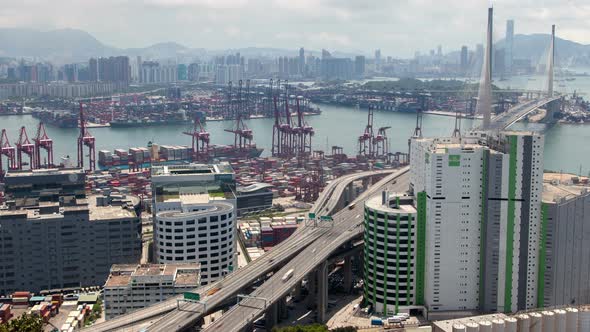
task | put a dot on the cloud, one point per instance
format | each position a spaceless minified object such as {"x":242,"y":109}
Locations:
{"x":396,"y":27}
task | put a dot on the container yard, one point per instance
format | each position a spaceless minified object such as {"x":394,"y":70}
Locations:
{"x":266,"y":232}
{"x":67,"y":313}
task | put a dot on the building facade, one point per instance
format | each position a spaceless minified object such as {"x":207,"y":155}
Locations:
{"x":481,"y":196}
{"x":391,"y":254}
{"x":255,"y":197}
{"x":565,"y":232}
{"x":132,"y":287}
{"x":194,"y":217}
{"x":56,"y":241}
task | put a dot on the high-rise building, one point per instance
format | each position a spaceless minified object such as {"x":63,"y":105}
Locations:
{"x":301,"y":61}
{"x":193,"y":72}
{"x":337,"y":68}
{"x":132,"y":287}
{"x":54,"y":237}
{"x":480,"y":196}
{"x":509,"y":44}
{"x":377,"y":60}
{"x":194,"y":217}
{"x":114,"y":69}
{"x":499,"y":64}
{"x":359,"y":66}
{"x":564,"y":255}
{"x":439,"y":51}
{"x":464,"y":62}
{"x":93,"y":70}
{"x":392,"y":237}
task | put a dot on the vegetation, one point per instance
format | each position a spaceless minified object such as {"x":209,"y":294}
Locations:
{"x":95,"y":314}
{"x":313,"y":328}
{"x":24,"y":323}
{"x":216,"y":193}
{"x":412,"y":84}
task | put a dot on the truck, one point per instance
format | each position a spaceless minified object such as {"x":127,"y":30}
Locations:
{"x":287,"y":275}
{"x":376,"y":321}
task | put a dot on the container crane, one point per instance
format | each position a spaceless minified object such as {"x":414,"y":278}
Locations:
{"x":86,"y":139}
{"x":287,"y":129}
{"x":6,"y":150}
{"x":381,"y":143}
{"x":42,"y":141}
{"x":305,"y":132}
{"x":276,"y":131}
{"x":365,"y":141}
{"x":242,"y":134}
{"x":200,"y":140}
{"x":24,"y":146}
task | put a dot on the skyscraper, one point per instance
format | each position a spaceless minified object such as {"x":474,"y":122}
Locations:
{"x":93,"y":70}
{"x":377,"y":59}
{"x":464,"y":64}
{"x":480,"y":197}
{"x":301,"y":61}
{"x":509,"y":42}
{"x":359,"y":66}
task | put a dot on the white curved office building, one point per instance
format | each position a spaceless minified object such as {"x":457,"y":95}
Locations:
{"x":390,"y":253}
{"x":194,"y":217}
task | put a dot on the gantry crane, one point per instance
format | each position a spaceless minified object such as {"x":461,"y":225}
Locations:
{"x":24,"y":146}
{"x":86,"y":139}
{"x":42,"y":141}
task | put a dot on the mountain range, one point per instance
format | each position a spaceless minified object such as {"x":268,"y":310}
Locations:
{"x":72,"y":45}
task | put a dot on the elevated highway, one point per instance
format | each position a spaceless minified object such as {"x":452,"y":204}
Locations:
{"x":219,"y":292}
{"x":347,"y":225}
{"x":518,"y":112}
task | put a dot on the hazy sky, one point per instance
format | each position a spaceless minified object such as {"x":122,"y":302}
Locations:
{"x":398,"y":27}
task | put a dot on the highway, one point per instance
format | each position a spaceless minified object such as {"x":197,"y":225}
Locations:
{"x":228,"y":287}
{"x":347,"y":225}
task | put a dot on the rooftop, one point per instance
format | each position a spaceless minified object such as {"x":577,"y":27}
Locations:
{"x":447,"y":325}
{"x":43,"y":172}
{"x":183,"y":274}
{"x":52,"y":210}
{"x":558,"y":186}
{"x":191,"y":169}
{"x":405,"y":205}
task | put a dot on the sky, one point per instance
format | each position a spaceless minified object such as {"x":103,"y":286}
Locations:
{"x":397,"y":27}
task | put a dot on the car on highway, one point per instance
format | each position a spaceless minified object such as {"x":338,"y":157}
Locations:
{"x":351,"y":206}
{"x":287,"y":275}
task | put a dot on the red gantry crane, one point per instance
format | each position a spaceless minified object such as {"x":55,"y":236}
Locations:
{"x":200,"y":141}
{"x":86,"y":139}
{"x":6,"y":150}
{"x":242,"y":134}
{"x":24,"y":146}
{"x":42,"y":141}
{"x":365,"y":141}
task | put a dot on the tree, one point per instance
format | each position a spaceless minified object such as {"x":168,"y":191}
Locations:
{"x":302,"y":328}
{"x":24,"y":323}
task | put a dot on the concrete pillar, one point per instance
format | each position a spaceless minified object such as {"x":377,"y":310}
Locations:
{"x":272,"y":316}
{"x":283,"y":309}
{"x":322,"y":292}
{"x":311,"y":287}
{"x":297,"y":292}
{"x":347,"y":271}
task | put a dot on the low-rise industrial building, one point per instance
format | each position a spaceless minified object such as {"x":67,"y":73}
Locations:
{"x":132,"y":287}
{"x":255,"y":197}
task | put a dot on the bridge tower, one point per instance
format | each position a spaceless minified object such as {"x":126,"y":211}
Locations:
{"x":554,"y":106}
{"x":484,"y":104}
{"x":550,"y":63}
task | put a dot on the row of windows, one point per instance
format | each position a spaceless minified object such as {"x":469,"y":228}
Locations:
{"x":200,"y":221}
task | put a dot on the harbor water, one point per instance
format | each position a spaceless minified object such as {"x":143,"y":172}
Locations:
{"x":565,"y":144}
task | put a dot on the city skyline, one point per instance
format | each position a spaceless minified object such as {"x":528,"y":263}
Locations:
{"x":311,"y":24}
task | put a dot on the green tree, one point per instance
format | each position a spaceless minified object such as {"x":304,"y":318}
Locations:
{"x":24,"y":323}
{"x":302,"y":328}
